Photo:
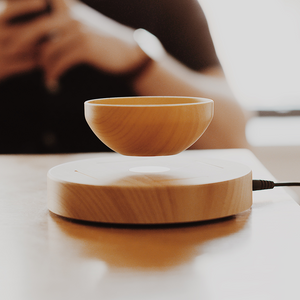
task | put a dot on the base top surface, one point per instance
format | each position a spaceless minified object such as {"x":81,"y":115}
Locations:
{"x":171,"y":170}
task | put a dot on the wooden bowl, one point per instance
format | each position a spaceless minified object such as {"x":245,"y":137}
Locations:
{"x":149,"y":126}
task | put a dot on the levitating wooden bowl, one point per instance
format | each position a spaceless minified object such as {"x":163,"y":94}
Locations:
{"x":149,"y":126}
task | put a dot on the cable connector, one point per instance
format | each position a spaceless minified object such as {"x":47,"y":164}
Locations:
{"x":262,"y":185}
{"x":258,"y":184}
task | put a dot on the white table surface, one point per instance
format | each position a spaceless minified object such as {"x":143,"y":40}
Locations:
{"x":254,"y":255}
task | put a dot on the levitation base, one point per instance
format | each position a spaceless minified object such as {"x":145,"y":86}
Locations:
{"x":149,"y":190}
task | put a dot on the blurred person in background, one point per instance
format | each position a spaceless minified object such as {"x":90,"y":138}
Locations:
{"x":55,"y":55}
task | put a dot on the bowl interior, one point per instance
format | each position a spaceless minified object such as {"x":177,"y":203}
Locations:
{"x":148,"y":101}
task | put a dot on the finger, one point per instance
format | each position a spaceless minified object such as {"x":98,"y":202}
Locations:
{"x":15,"y":40}
{"x":6,"y":37}
{"x":16,"y":8}
{"x":60,"y":40}
{"x":7,"y":58}
{"x":61,"y":56}
{"x":35,"y":32}
{"x":9,"y":69}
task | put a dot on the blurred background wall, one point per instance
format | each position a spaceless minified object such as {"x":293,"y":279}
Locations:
{"x":258,"y":44}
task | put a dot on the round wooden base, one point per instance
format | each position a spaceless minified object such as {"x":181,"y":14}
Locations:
{"x":153,"y":190}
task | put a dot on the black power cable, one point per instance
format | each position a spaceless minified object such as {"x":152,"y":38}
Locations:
{"x":258,"y":184}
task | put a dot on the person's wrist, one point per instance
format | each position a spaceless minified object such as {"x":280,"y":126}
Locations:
{"x":150,"y":50}
{"x":140,"y":67}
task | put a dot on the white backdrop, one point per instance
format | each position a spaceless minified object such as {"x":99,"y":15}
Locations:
{"x":258,"y":44}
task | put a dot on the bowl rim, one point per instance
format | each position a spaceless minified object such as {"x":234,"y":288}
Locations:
{"x":196,"y":101}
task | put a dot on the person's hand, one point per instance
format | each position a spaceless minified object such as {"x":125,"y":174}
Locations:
{"x":18,"y":41}
{"x":85,"y":36}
